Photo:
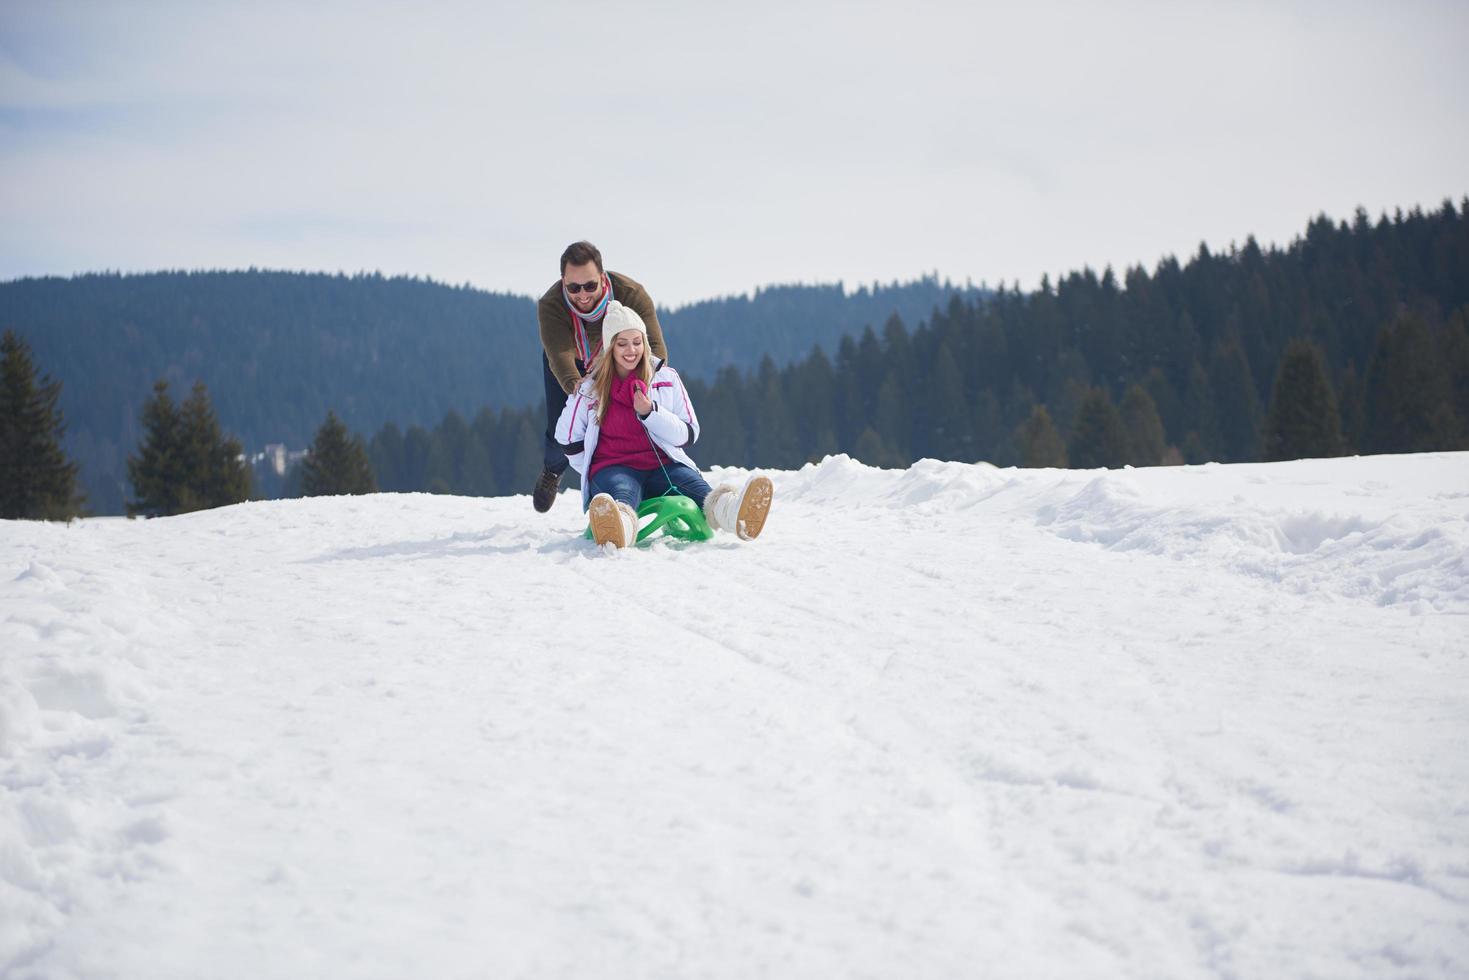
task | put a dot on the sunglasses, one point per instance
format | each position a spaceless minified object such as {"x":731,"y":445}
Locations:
{"x":578,"y":287}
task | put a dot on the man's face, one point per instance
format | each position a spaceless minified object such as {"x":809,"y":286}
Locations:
{"x":578,"y":276}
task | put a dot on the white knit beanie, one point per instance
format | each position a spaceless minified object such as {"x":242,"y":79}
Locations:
{"x":618,"y":319}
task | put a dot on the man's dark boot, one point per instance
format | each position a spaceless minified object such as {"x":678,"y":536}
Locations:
{"x":548,"y":484}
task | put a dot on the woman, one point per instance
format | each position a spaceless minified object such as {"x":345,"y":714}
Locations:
{"x":626,"y":429}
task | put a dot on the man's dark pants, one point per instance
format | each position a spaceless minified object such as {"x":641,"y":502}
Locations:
{"x":555,"y":455}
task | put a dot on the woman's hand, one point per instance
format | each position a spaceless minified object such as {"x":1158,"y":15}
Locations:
{"x":641,"y":403}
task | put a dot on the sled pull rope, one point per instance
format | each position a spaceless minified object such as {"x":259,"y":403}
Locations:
{"x":657,"y":454}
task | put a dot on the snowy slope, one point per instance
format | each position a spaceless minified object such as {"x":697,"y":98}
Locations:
{"x":949,"y":721}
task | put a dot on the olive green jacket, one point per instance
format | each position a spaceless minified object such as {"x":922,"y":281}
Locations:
{"x":559,"y":341}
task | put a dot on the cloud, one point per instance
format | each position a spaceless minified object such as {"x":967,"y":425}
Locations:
{"x":709,"y":152}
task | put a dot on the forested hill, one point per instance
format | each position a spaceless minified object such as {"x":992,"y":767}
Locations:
{"x":277,"y":350}
{"x":1353,"y":338}
{"x":785,"y":322}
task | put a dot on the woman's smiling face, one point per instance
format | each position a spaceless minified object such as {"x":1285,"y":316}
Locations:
{"x":627,"y":351}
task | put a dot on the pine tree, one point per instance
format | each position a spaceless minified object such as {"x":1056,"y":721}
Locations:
{"x":527,"y":456}
{"x":223,"y":476}
{"x":185,"y":462}
{"x":949,"y":426}
{"x":478,"y":474}
{"x":385,"y":453}
{"x":1166,"y":401}
{"x":446,"y":461}
{"x":873,"y":450}
{"x":871,"y":367}
{"x":813,"y":404}
{"x":989,"y":438}
{"x":37,"y":481}
{"x":1455,"y":346}
{"x":337,"y":462}
{"x":1201,"y":430}
{"x":1352,"y":406}
{"x":1145,"y":441}
{"x":503,"y":444}
{"x":851,"y":411}
{"x":157,"y":471}
{"x":1070,"y":385}
{"x":479,"y":465}
{"x":1039,"y":442}
{"x":1303,"y":422}
{"x":722,"y":439}
{"x":1097,"y":438}
{"x":1409,"y":402}
{"x":891,"y":420}
{"x":775,"y":444}
{"x":1236,"y":402}
{"x":418,"y":447}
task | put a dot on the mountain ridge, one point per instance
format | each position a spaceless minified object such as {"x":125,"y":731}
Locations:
{"x":277,"y":350}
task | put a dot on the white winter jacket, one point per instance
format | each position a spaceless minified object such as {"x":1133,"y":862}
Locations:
{"x":672,"y":423}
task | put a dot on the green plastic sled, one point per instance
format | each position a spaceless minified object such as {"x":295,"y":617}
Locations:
{"x":676,"y":516}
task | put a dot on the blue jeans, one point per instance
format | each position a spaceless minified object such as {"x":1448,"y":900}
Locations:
{"x":632,"y":487}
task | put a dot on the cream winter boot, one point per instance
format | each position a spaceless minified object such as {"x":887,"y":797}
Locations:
{"x":613,"y":521}
{"x":740,"y":509}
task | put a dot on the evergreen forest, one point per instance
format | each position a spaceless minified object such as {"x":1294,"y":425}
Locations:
{"x":277,"y":351}
{"x":1186,"y":363}
{"x":1353,"y":338}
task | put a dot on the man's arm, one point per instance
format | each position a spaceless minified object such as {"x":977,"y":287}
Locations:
{"x":557,"y":342}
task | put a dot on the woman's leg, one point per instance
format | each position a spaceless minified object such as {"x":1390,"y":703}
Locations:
{"x":622,"y":483}
{"x":685,"y":479}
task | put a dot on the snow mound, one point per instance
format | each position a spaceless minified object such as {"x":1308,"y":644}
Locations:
{"x":1379,"y":534}
{"x":930,"y":485}
{"x":1344,"y":541}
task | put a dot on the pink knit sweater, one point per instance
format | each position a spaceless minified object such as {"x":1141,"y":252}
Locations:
{"x":624,"y":441}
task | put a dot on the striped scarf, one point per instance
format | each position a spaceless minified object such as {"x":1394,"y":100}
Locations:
{"x":584,"y":351}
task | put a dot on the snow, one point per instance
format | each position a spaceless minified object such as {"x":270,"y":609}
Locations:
{"x":939,"y":722}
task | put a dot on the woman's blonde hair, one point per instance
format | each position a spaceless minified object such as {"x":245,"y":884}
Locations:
{"x":604,"y":372}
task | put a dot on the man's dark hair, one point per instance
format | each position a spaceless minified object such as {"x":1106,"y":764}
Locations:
{"x":580,"y":253}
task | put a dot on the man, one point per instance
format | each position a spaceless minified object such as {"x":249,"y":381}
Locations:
{"x":570,"y":314}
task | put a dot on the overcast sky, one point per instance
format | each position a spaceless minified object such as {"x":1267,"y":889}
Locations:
{"x":711,"y":148}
